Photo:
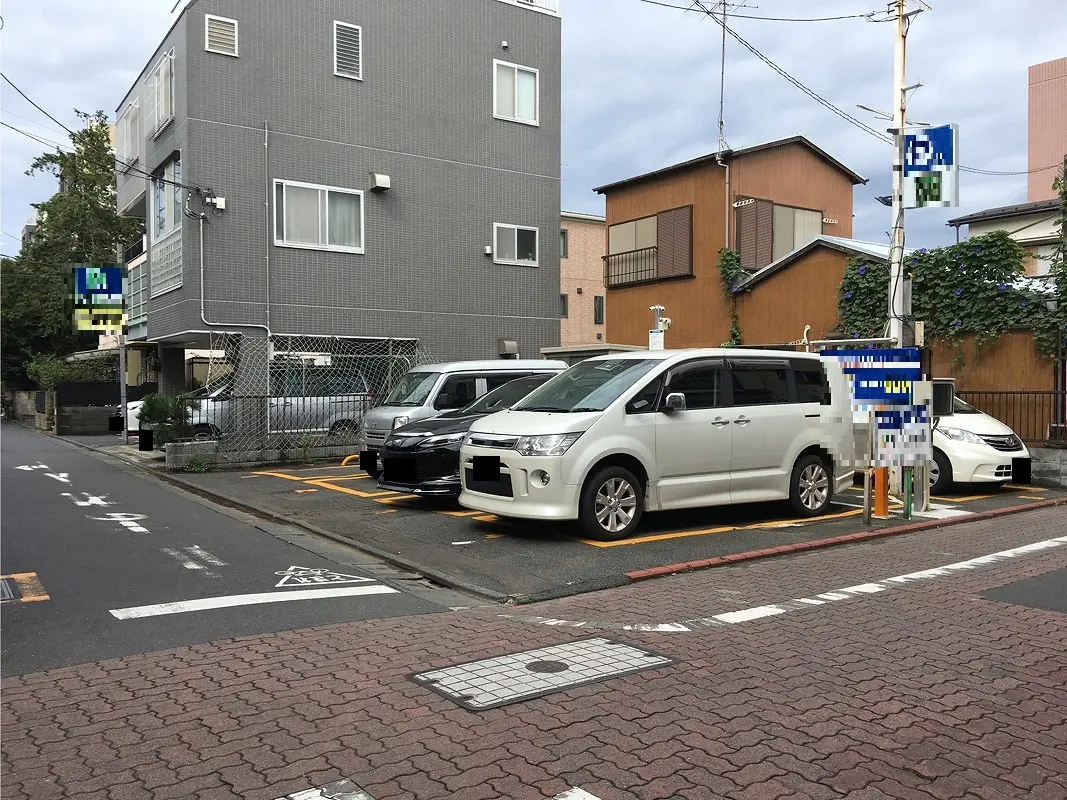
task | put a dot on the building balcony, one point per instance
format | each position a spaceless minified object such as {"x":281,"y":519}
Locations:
{"x":133,"y":250}
{"x":643,"y":266}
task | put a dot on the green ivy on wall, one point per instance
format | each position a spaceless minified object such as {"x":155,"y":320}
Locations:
{"x":973,"y":287}
{"x":731,"y":274}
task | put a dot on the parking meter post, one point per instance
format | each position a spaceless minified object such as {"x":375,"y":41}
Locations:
{"x":881,"y":492}
{"x":907,"y":492}
{"x":868,"y":472}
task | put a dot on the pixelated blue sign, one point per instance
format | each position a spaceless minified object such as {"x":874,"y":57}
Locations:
{"x":98,"y":298}
{"x":930,"y":167}
{"x":888,"y":385}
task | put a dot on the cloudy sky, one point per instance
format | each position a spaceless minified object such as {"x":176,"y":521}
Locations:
{"x":641,"y":88}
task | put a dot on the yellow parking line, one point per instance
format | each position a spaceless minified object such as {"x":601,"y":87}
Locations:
{"x":29,"y":587}
{"x":325,"y":484}
{"x":1030,"y":497}
{"x":305,"y":491}
{"x":282,"y":475}
{"x":965,"y":499}
{"x":1024,"y":488}
{"x":487,"y":518}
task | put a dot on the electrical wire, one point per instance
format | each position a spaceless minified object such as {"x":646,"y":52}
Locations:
{"x":28,"y":100}
{"x":884,"y":137}
{"x":128,"y":167}
{"x":32,"y":122}
{"x":868,"y":16}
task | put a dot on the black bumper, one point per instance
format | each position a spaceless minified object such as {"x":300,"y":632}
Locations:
{"x":425,"y":472}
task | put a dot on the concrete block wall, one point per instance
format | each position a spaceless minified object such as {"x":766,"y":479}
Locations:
{"x":83,"y":420}
{"x":1049,"y":467}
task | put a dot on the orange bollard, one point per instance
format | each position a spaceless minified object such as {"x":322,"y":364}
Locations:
{"x":881,"y":492}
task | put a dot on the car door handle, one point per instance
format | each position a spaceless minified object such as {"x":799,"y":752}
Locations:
{"x":718,"y":422}
{"x":742,"y":420}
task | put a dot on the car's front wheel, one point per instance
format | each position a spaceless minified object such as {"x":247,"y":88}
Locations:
{"x":940,"y":473}
{"x":612,"y":503}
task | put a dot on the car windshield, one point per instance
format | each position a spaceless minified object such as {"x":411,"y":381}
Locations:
{"x":413,"y":389}
{"x":587,"y":386}
{"x":960,"y":407}
{"x":501,"y":398}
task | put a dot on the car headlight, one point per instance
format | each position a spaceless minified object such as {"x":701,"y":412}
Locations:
{"x":401,"y":420}
{"x":960,"y":435}
{"x":554,"y":444}
{"x":448,"y":438}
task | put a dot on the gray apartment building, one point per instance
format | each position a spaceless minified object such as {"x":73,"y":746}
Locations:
{"x":347,"y":168}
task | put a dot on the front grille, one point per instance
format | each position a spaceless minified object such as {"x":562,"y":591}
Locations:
{"x":374,"y":437}
{"x":500,"y":488}
{"x":1005,"y":444}
{"x":496,"y":441}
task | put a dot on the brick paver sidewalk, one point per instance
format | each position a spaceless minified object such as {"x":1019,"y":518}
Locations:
{"x":923,"y":690}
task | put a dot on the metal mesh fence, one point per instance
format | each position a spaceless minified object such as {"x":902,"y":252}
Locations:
{"x":295,"y":391}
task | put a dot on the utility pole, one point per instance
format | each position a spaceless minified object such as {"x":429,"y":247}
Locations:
{"x":896,"y":250}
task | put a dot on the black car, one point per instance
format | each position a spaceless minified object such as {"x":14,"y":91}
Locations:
{"x":423,"y":458}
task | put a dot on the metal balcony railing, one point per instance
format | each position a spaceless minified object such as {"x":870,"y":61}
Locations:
{"x":633,"y":266}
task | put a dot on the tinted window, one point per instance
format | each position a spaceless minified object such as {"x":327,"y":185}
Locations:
{"x":588,"y":386}
{"x":701,"y":384}
{"x":286,"y":380}
{"x":412,"y":389}
{"x":760,"y":386}
{"x":495,"y":379}
{"x":458,"y":391}
{"x":502,"y":397}
{"x":811,"y":382}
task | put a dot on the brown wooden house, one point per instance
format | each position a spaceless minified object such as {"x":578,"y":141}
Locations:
{"x":665,"y":230}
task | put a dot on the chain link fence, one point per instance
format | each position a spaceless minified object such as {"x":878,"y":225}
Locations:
{"x":295,"y":392}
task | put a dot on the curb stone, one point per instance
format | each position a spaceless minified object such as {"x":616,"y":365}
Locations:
{"x":818,"y":544}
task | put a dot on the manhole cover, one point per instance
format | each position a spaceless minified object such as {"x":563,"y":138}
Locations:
{"x":547,"y":666}
{"x":9,"y":590}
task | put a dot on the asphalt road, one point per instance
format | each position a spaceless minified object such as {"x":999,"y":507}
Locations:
{"x":102,"y":538}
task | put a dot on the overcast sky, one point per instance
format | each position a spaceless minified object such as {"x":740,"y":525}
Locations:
{"x":640,"y":88}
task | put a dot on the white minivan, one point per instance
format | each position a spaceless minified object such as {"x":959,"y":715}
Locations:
{"x":972,"y":447}
{"x":618,"y":435}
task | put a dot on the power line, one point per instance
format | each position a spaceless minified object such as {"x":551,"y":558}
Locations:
{"x":869,"y":16}
{"x":32,"y":122}
{"x":128,"y":167}
{"x":28,"y":100}
{"x":886,"y":138}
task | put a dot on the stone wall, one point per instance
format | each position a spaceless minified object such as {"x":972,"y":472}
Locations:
{"x":1049,"y":467}
{"x":83,"y":420}
{"x":180,"y":455}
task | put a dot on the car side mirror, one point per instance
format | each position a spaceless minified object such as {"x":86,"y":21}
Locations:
{"x":675,"y":401}
{"x":445,"y":401}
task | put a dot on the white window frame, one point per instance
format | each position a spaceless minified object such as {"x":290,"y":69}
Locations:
{"x":236,"y":36}
{"x":174,"y":203}
{"x":515,"y":262}
{"x":359,"y":29}
{"x":127,"y":137}
{"x":333,"y":248}
{"x":536,"y":121}
{"x":153,"y":85}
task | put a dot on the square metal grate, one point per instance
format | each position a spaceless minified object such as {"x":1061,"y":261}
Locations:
{"x":500,"y":681}
{"x":9,"y":590}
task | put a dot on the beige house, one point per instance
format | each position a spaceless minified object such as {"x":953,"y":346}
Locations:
{"x":1036,"y":226}
{"x":581,"y":277}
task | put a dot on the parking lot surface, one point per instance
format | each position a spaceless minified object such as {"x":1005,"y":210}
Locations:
{"x":526,"y":561}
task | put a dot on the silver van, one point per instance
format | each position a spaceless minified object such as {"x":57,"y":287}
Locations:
{"x":433,"y":389}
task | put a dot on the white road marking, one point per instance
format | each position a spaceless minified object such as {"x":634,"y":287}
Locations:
{"x":90,"y":499}
{"x":205,"y":556}
{"x":62,"y":477}
{"x":471,"y":541}
{"x":133,"y":526}
{"x":128,"y":521}
{"x":182,"y":559}
{"x":29,"y":467}
{"x":230,"y":601}
{"x":859,"y":590}
{"x":575,"y":794}
{"x":306,"y":576}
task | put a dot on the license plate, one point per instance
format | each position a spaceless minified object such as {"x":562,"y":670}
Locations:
{"x":398,"y":469}
{"x":368,"y":460}
{"x":486,"y":468}
{"x":1021,"y":471}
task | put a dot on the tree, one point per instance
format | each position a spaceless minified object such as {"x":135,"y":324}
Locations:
{"x":78,"y":224}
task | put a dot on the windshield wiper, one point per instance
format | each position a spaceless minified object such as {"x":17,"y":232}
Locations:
{"x":542,"y":408}
{"x":581,"y":409}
